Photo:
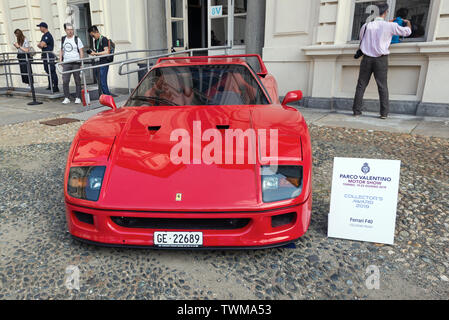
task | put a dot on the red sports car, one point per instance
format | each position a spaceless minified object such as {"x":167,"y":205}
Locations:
{"x":202,"y":155}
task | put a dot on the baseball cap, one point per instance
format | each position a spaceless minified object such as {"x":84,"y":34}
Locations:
{"x":42,"y":24}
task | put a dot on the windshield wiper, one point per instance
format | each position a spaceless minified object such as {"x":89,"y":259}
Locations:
{"x":157,"y":99}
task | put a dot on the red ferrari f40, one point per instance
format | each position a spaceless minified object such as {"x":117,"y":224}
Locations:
{"x":202,"y":155}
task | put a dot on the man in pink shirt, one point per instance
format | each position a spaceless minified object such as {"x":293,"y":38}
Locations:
{"x":375,"y":43}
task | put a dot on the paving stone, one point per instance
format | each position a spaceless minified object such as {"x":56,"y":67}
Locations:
{"x":35,"y":247}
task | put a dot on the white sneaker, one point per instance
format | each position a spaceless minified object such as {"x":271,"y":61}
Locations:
{"x":66,"y":101}
{"x":78,"y":101}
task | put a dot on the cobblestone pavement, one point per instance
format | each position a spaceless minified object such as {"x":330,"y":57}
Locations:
{"x":35,"y":247}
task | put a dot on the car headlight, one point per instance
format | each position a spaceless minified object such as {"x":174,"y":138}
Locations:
{"x":85,"y":182}
{"x":281,"y":183}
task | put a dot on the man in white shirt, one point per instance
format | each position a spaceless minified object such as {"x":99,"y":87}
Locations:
{"x":71,"y":52}
{"x":375,"y":42}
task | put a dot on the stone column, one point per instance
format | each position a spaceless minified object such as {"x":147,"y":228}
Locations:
{"x":157,"y":25}
{"x":255,"y":26}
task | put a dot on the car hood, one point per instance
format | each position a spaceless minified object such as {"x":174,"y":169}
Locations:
{"x":142,"y":176}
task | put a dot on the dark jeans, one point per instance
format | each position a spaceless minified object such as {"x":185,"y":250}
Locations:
{"x":24,"y":67}
{"x":50,"y":68}
{"x":66,"y":79}
{"x":104,"y":80}
{"x":368,"y":66}
{"x":101,"y":75}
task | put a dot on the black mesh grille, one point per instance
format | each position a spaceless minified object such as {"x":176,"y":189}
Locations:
{"x":84,"y":217}
{"x":282,"y":220}
{"x":181,"y":224}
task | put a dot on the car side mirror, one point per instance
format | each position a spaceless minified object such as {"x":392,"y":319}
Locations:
{"x":292,"y":96}
{"x":108,"y":101}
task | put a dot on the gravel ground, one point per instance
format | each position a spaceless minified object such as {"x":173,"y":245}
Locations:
{"x":35,"y":247}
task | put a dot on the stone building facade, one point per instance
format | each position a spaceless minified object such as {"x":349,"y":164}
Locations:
{"x":307,"y":44}
{"x":310,"y":45}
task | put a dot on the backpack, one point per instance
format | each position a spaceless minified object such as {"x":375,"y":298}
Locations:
{"x":63,"y":40}
{"x":111,"y":47}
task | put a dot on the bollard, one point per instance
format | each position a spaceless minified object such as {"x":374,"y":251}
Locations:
{"x":49,"y":72}
{"x":85,"y":92}
{"x":127,"y":76}
{"x":6,"y":70}
{"x":30,"y":78}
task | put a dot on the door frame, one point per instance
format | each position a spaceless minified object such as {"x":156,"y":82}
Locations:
{"x":235,"y":49}
{"x":84,"y":4}
{"x":230,"y":27}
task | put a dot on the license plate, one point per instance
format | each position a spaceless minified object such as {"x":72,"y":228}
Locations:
{"x":178,"y":239}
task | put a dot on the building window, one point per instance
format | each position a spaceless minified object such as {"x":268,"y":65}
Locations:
{"x":240,"y":9}
{"x":177,"y":9}
{"x":177,"y":23}
{"x":219,"y":24}
{"x":417,"y":11}
{"x":227,"y":22}
{"x":177,"y":29}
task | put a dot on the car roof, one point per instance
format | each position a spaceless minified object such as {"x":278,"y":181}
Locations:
{"x":212,"y":60}
{"x":200,"y":61}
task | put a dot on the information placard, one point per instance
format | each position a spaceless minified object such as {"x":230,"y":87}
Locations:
{"x":364,"y":199}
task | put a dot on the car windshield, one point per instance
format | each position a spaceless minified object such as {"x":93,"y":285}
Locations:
{"x":198,"y":85}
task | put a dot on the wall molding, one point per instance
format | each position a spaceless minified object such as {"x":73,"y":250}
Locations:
{"x":415,"y":108}
{"x":304,"y":29}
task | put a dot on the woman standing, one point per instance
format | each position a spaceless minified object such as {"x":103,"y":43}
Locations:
{"x":23,"y":47}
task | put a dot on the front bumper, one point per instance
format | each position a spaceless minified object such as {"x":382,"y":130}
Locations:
{"x":258,"y":232}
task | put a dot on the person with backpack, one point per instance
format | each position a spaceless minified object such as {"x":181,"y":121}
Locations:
{"x":71,"y":52}
{"x":102,"y":47}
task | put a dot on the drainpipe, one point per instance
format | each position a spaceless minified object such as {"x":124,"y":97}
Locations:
{"x":255,"y":26}
{"x":157,"y":25}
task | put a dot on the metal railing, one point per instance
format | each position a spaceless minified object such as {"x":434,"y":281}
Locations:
{"x":127,"y":61}
{"x":6,"y":61}
{"x":95,"y":64}
{"x":90,"y":63}
{"x":148,"y":59}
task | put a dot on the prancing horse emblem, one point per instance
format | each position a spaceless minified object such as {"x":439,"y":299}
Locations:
{"x":179,"y":197}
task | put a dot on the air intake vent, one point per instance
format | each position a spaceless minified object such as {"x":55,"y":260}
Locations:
{"x":181,"y":224}
{"x":154,"y":128}
{"x":283,"y":220}
{"x":84,"y":217}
